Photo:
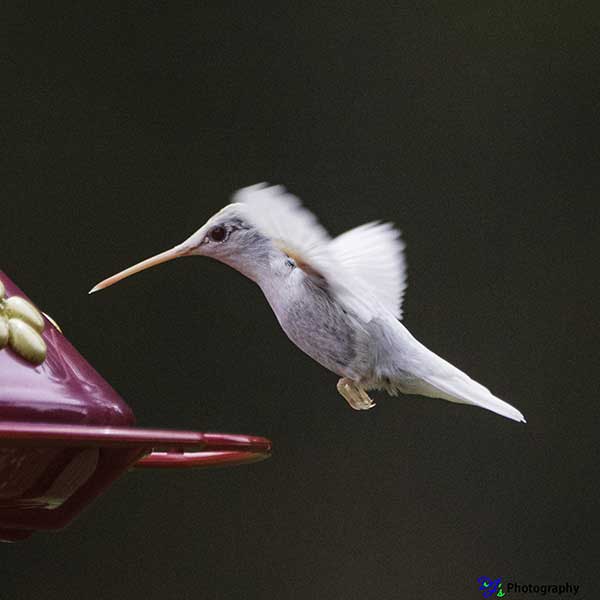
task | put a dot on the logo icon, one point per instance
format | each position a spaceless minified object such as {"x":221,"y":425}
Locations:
{"x":490,"y":587}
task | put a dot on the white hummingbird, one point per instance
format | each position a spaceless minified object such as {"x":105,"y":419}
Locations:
{"x":338,"y":299}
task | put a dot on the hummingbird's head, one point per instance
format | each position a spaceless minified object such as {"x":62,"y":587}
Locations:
{"x":228,"y":236}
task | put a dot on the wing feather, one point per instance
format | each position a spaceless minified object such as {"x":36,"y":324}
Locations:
{"x":364,"y":267}
{"x":374,"y":253}
{"x":281,"y":217}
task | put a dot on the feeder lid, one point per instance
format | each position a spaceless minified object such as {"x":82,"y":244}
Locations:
{"x":43,"y":377}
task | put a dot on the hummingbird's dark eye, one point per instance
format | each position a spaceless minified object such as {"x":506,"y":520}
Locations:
{"x":217,"y":234}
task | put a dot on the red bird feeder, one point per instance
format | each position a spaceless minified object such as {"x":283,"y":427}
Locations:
{"x":66,"y":435}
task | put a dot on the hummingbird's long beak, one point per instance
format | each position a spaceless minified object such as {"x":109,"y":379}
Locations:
{"x":176,"y":252}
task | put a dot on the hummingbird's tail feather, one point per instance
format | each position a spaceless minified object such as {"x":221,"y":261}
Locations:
{"x":456,"y":386}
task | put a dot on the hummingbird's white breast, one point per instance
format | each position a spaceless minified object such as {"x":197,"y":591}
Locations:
{"x":318,"y":324}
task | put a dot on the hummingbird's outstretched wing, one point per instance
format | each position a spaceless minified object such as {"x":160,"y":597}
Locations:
{"x":281,"y":217}
{"x":374,"y":253}
{"x":363,"y":268}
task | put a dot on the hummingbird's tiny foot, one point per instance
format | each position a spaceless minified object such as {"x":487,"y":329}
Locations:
{"x":354,"y":394}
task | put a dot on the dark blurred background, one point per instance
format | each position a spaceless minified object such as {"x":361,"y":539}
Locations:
{"x":475,"y":128}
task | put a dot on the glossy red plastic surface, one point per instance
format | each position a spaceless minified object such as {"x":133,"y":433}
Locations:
{"x":49,"y":472}
{"x":66,"y":435}
{"x":65,"y":388}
